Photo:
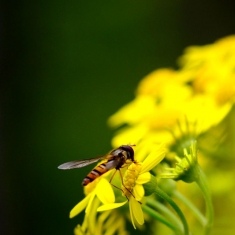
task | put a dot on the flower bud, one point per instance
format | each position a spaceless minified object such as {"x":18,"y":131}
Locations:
{"x":187,"y":168}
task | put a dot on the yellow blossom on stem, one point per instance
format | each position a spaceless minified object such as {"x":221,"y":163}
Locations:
{"x":134,"y":178}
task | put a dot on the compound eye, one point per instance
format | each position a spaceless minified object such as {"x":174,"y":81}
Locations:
{"x":129,"y":150}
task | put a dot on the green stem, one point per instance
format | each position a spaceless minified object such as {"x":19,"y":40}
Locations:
{"x":163,"y":195}
{"x":191,"y":206}
{"x":202,"y":183}
{"x":160,"y":218}
{"x":165,"y":211}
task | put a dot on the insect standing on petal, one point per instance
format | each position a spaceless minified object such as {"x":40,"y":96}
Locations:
{"x":116,"y":159}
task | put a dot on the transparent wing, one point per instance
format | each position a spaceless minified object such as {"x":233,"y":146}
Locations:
{"x":82,"y":163}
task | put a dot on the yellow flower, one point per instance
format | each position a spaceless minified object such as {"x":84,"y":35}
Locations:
{"x":134,"y":178}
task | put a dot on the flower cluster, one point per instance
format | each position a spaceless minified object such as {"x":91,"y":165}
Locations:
{"x":177,"y":108}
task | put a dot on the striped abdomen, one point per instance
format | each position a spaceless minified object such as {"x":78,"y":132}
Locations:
{"x":95,"y":173}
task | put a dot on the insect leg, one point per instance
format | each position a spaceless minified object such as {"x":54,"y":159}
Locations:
{"x":110,"y":181}
{"x":124,"y":185}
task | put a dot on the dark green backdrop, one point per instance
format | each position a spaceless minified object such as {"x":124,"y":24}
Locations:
{"x":66,"y":66}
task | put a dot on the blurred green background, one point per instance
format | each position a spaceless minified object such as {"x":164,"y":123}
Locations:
{"x":66,"y":66}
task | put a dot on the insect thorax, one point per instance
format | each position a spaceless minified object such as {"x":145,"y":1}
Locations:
{"x":123,"y":155}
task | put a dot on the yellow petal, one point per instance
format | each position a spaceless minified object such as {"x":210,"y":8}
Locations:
{"x":110,"y":206}
{"x":79,"y":207}
{"x":204,"y":110}
{"x":138,"y":192}
{"x":78,"y":230}
{"x":153,"y":159}
{"x":90,"y":203}
{"x":143,"y":178}
{"x":133,"y":112}
{"x":104,"y":192}
{"x":131,"y":213}
{"x":136,"y":209}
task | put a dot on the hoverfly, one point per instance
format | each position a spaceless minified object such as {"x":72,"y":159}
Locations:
{"x":115,"y":160}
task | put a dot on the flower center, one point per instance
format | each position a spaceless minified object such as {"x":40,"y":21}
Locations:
{"x":130,"y":178}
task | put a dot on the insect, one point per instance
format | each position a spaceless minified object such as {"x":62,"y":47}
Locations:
{"x":116,"y":159}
